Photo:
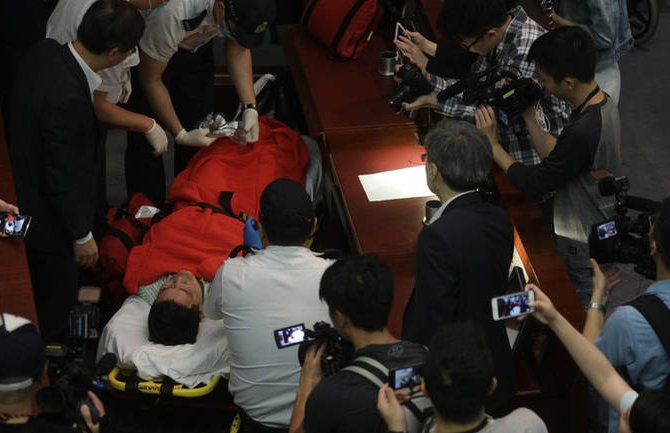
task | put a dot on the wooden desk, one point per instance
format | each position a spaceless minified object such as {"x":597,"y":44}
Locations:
{"x":16,"y":293}
{"x":345,"y":107}
{"x":339,"y":95}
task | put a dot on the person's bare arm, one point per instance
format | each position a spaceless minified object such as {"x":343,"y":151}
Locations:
{"x":238,"y":59}
{"x":602,"y":285}
{"x":151,"y":72}
{"x":542,"y":141}
{"x":310,"y":377}
{"x":559,"y":21}
{"x":118,"y":117}
{"x":597,"y":369}
{"x":485,"y":119}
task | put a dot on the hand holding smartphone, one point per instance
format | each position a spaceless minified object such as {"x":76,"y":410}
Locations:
{"x":14,"y":225}
{"x":512,"y":305}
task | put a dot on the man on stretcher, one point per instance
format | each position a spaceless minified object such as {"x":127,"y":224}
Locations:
{"x":169,"y":273}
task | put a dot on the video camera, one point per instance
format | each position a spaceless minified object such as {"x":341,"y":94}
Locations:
{"x":71,"y":376}
{"x":337,"y":353}
{"x":624,"y":239}
{"x":508,"y":100}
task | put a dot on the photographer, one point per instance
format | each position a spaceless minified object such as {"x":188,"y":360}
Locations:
{"x":565,"y":62}
{"x":458,"y":377}
{"x":359,"y":294}
{"x":22,"y":366}
{"x":501,"y":37}
{"x":646,"y":412}
{"x":627,"y":339}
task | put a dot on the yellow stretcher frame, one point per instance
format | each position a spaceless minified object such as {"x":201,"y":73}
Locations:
{"x":153,"y":387}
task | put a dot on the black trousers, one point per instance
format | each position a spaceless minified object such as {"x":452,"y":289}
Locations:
{"x":55,"y":280}
{"x":189,"y":77}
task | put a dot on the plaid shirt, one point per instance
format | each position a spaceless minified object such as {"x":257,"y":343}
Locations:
{"x":512,"y":52}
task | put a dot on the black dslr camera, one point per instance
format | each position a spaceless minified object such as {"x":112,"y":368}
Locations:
{"x":624,"y":239}
{"x":413,"y":84}
{"x":337,"y":353}
{"x":71,"y":375}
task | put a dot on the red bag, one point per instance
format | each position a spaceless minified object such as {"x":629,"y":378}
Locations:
{"x":124,"y":232}
{"x":344,"y":26}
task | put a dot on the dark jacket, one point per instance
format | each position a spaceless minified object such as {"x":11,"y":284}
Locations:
{"x":463,"y":260}
{"x":54,"y":145}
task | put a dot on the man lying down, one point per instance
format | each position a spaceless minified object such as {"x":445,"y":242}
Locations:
{"x":160,"y":329}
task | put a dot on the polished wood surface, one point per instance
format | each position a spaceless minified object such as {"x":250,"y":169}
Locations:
{"x":366,"y":140}
{"x":339,"y":95}
{"x":16,"y":293}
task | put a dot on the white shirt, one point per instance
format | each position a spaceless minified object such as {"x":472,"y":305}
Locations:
{"x":438,"y":213}
{"x":62,"y":26}
{"x":92,"y":78}
{"x":256,"y":295}
{"x":165,"y":33}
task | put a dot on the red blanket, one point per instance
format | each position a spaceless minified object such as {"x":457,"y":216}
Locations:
{"x":198,"y":239}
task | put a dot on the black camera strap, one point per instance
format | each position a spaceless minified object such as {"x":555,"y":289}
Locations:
{"x":377,"y":373}
{"x":654,"y":310}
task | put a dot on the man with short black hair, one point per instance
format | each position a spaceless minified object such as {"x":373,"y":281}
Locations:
{"x":565,"y":62}
{"x":56,"y":153}
{"x":176,"y":308}
{"x":465,"y":251}
{"x":274,"y":288}
{"x":359,"y":293}
{"x":502,"y":37}
{"x":458,"y":376}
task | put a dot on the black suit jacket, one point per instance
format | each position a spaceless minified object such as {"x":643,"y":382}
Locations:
{"x":463,"y":260}
{"x":54,"y":147}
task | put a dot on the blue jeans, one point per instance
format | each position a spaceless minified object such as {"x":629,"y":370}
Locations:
{"x":582,"y":280}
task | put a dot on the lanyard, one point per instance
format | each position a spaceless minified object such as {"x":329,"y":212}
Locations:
{"x":590,"y":96}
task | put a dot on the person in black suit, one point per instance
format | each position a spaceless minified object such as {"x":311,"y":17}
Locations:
{"x":464,"y":252}
{"x":56,"y":153}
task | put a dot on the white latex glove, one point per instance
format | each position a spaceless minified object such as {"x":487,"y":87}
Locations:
{"x":250,"y":124}
{"x":194,"y":138}
{"x":157,"y":138}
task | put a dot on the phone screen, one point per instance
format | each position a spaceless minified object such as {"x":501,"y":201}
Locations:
{"x":607,"y":230}
{"x":512,"y":305}
{"x":289,"y":336}
{"x":408,"y":377}
{"x":14,"y":225}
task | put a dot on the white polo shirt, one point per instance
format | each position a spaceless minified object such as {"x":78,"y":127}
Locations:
{"x":186,"y":24}
{"x":62,"y":26}
{"x":256,"y":295}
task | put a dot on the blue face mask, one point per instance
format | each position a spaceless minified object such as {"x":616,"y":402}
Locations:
{"x":225,"y":32}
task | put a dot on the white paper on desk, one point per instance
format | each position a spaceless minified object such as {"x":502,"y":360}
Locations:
{"x":396,"y":184}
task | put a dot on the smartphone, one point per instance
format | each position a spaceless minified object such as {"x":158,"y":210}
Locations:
{"x":512,"y":305}
{"x":14,"y":225}
{"x":405,"y":378}
{"x":289,"y":336}
{"x":400,"y":31}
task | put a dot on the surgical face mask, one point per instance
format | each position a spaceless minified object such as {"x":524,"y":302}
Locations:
{"x":225,"y":32}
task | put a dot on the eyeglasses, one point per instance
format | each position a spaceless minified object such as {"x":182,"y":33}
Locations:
{"x":467,"y":47}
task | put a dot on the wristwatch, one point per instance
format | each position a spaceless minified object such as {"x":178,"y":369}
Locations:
{"x":595,"y":306}
{"x":251,"y":105}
